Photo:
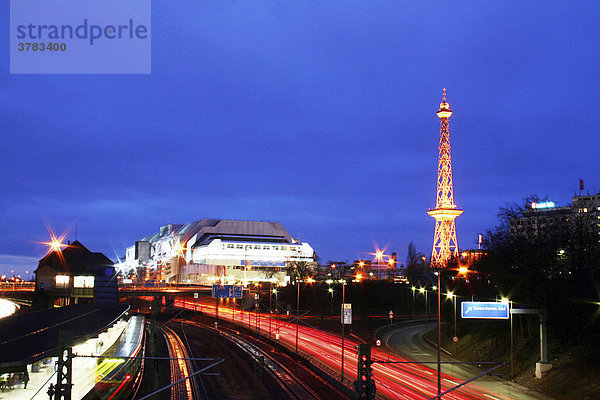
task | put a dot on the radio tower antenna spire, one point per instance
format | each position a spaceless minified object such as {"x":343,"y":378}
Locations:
{"x":445,"y":245}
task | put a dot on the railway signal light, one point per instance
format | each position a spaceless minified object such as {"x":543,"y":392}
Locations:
{"x":364,"y":386}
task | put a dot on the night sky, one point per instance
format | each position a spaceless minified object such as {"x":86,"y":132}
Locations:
{"x":317,"y":115}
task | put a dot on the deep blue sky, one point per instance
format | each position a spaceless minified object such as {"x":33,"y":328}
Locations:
{"x":318,"y":115}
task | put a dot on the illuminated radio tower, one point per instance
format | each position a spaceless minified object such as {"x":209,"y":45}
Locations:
{"x":444,"y":241}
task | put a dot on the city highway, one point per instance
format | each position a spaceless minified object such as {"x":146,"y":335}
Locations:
{"x":408,"y":342}
{"x":394,"y":381}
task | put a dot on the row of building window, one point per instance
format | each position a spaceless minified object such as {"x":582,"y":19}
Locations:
{"x":255,"y":247}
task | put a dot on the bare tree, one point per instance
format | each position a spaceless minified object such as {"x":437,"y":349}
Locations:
{"x":300,"y":269}
{"x":415,"y":263}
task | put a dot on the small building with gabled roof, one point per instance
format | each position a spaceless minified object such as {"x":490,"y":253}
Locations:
{"x":75,"y":274}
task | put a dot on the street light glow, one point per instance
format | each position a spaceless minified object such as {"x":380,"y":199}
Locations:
{"x":180,"y":248}
{"x":421,"y":290}
{"x":449,"y":295}
{"x":463,"y":270}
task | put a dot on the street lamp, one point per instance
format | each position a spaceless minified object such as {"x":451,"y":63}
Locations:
{"x":379,"y":259}
{"x":413,"y":293}
{"x":422,"y":290}
{"x":509,"y":303}
{"x":297,"y":312}
{"x":343,"y":282}
{"x":330,"y":290}
{"x":452,"y":297}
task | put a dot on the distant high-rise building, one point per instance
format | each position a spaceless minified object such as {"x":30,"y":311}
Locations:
{"x":545,"y":219}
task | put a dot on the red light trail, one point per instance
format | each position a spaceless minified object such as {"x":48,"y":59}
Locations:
{"x":394,"y":381}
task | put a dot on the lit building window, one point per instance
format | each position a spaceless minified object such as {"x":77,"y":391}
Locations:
{"x":83,"y":282}
{"x":62,"y":281}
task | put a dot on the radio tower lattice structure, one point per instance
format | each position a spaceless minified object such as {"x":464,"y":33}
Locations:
{"x":445,"y":212}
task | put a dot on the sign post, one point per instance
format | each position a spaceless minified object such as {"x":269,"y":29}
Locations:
{"x":391,"y":316}
{"x":343,"y":324}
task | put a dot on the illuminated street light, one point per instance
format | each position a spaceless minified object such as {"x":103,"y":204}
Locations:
{"x":452,"y":296}
{"x":413,"y":292}
{"x":330,"y":290}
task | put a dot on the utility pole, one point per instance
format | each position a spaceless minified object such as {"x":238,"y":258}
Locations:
{"x":439,"y":343}
{"x":62,"y":390}
{"x":343,"y":324}
{"x":297,"y":312}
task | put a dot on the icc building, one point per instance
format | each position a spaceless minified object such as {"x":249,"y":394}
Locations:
{"x":213,"y":250}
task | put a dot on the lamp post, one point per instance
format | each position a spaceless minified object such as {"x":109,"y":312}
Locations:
{"x":379,"y":259}
{"x":330,"y":290}
{"x":452,"y":296}
{"x":270,"y":307}
{"x":297,"y":312}
{"x":413,"y":289}
{"x":422,"y":290}
{"x":439,"y":343}
{"x":343,"y":325}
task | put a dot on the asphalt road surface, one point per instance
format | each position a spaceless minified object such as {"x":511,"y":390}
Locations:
{"x":408,"y":342}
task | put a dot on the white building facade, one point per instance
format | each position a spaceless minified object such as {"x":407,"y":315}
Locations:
{"x":209,"y":251}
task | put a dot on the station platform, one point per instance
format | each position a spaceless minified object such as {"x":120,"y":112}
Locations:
{"x":29,"y":346}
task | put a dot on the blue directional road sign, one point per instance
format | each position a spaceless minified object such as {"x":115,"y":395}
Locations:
{"x":484,"y":310}
{"x":227,"y":291}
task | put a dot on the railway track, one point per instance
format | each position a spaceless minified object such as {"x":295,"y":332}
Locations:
{"x":293,"y":387}
{"x":180,"y":367}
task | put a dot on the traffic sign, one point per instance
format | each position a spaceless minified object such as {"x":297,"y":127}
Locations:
{"x":227,"y":291}
{"x":378,"y":342}
{"x":455,"y":339}
{"x":391,"y":314}
{"x":196,"y":295}
{"x":484,"y":310}
{"x":347,"y":314}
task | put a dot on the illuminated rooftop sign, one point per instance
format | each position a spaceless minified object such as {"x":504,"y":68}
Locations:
{"x":545,"y":204}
